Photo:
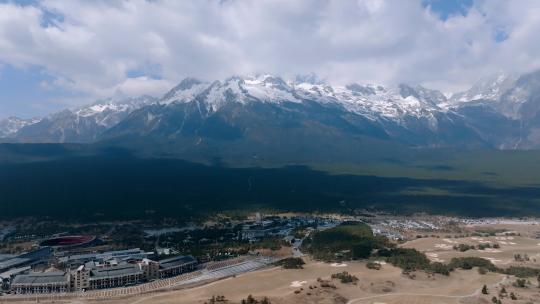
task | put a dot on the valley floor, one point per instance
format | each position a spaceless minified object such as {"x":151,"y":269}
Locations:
{"x":389,"y":285}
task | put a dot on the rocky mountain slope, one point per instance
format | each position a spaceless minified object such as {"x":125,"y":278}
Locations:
{"x":80,"y":125}
{"x":11,"y":125}
{"x":265,"y":112}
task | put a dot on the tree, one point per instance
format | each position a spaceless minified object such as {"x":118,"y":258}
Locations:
{"x":520,"y":283}
{"x":513,"y":296}
{"x":265,"y":300}
{"x":485,"y":290}
{"x":250,"y":300}
{"x":494,"y":300}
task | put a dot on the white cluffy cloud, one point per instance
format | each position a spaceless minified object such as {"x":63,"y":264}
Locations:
{"x":102,"y":48}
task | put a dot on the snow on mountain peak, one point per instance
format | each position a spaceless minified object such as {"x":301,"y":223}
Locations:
{"x":370,"y":100}
{"x":185,"y":91}
{"x":113,"y":105}
{"x":11,"y":125}
{"x":487,"y":89}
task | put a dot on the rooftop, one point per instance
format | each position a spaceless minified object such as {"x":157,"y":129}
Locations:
{"x":103,"y":256}
{"x":5,"y":256}
{"x":7,"y":264}
{"x":176,"y":261}
{"x":116,"y":271}
{"x":14,"y":271}
{"x":54,"y":277}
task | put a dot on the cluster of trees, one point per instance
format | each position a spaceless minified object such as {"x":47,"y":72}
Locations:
{"x":251,"y":300}
{"x":521,"y":272}
{"x":470,"y":262}
{"x":521,"y":258}
{"x":345,"y":277}
{"x":410,"y":259}
{"x":374,"y":265}
{"x":407,"y":259}
{"x":216,"y":299}
{"x":521,"y":283}
{"x":463,"y":247}
{"x":292,"y":263}
{"x":502,"y":294}
{"x":466,"y":247}
{"x":345,"y":242}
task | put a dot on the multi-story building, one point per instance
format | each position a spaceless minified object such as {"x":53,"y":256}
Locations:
{"x":109,"y":273}
{"x":124,"y":274}
{"x":80,"y":279}
{"x":150,"y":269}
{"x":176,"y":266}
{"x":46,"y":282}
{"x":7,"y":277}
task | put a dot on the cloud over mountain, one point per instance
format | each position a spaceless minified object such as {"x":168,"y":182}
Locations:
{"x":103,"y":48}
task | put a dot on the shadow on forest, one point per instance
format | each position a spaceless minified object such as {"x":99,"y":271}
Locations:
{"x":115,"y":185}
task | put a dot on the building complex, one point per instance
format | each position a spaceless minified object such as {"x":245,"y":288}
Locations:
{"x":89,"y":271}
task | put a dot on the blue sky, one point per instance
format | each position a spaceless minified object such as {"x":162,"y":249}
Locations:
{"x":58,"y":54}
{"x":448,"y":8}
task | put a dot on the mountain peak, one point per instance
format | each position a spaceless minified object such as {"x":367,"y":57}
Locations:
{"x":489,"y":88}
{"x":310,"y":78}
{"x":433,"y":97}
{"x":357,"y":88}
{"x":11,"y":125}
{"x":186,"y":90}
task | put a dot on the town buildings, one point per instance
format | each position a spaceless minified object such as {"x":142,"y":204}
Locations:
{"x":47,"y":282}
{"x":91,"y":271}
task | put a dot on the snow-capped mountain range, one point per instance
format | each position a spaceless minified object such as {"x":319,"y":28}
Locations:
{"x":10,"y":125}
{"x":83,"y":124}
{"x":370,"y":100}
{"x":497,"y":112}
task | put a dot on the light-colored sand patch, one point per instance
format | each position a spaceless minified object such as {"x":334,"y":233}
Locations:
{"x":503,"y":242}
{"x":492,"y":250}
{"x":512,"y":243}
{"x":296,"y":284}
{"x":449,"y":241}
{"x":443,"y":246}
{"x":434,"y":257}
{"x":338,"y":265}
{"x":507,"y":238}
{"x":476,"y":238}
{"x":493,"y":260}
{"x":380,"y":262}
